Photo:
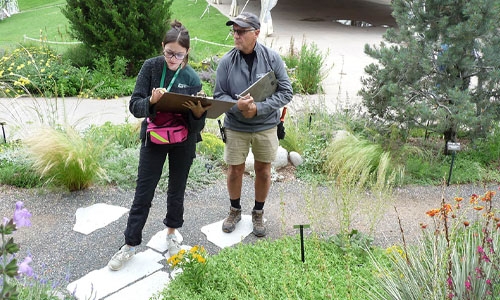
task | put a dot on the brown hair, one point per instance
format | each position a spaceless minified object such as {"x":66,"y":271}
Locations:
{"x":178,"y":33}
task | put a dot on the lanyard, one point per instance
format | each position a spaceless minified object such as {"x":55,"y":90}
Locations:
{"x":162,"y":82}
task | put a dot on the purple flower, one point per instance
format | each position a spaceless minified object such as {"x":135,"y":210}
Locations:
{"x":5,"y":221}
{"x":24,"y":267}
{"x":21,"y":215}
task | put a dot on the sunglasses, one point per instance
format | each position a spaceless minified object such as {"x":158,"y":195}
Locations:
{"x":240,"y":32}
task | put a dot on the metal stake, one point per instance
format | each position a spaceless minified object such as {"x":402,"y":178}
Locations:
{"x":301,"y":239}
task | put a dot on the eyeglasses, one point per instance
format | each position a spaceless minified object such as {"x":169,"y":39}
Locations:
{"x":169,"y":54}
{"x":240,"y":32}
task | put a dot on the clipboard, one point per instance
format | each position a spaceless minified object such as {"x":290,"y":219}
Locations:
{"x":262,"y":88}
{"x":172,"y":102}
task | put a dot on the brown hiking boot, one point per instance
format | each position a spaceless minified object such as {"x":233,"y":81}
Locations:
{"x":258,"y":223}
{"x":231,"y":220}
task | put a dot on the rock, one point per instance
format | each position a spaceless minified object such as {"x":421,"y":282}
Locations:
{"x":281,"y":158}
{"x":295,"y":158}
{"x":280,"y":161}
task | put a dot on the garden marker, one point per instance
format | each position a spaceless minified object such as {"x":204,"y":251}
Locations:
{"x":302,"y":238}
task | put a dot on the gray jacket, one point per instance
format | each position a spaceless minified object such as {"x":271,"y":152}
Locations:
{"x":233,"y":77}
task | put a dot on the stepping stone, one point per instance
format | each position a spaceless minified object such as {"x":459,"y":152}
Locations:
{"x":103,"y":282}
{"x":159,"y":240}
{"x":91,"y":218}
{"x":221,"y":239}
{"x":143,"y":289}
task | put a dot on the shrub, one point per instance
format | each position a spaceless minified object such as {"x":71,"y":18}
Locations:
{"x":108,"y":79}
{"x":130,"y":29}
{"x":305,"y":68}
{"x":16,"y":168}
{"x":212,"y":147}
{"x":81,"y":55}
{"x":40,"y":71}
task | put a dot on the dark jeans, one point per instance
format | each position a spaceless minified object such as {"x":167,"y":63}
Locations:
{"x":151,"y":160}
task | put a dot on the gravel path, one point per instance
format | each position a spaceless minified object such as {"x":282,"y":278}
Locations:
{"x":61,"y":254}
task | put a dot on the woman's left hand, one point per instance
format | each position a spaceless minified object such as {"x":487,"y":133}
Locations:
{"x":197,"y":109}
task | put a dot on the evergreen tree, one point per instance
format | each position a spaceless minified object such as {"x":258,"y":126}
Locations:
{"x":130,"y":29}
{"x":440,"y":69}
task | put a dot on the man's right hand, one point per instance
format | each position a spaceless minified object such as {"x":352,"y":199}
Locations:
{"x":247,"y":106}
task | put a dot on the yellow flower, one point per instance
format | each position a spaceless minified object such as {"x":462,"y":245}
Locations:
{"x":20,"y":67}
{"x":42,"y":70}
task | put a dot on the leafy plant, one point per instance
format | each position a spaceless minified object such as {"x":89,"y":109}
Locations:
{"x":212,"y":147}
{"x":16,"y":168}
{"x":192,"y":263}
{"x":9,"y":268}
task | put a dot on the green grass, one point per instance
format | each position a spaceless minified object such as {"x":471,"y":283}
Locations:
{"x":34,"y":19}
{"x":46,"y":17}
{"x":190,"y":14}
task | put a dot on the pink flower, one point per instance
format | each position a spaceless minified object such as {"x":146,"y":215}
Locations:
{"x":468,"y":285}
{"x":21,"y":215}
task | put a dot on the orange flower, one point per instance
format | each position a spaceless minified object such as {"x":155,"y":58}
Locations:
{"x":466,"y":223}
{"x":487,"y":197}
{"x":458,"y":199}
{"x":447,"y":207}
{"x":479,"y":207}
{"x":473,"y":199}
{"x":432,"y":212}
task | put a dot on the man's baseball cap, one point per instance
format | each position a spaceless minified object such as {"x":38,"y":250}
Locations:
{"x":245,"y":19}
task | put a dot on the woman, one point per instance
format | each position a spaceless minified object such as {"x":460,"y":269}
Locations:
{"x":178,"y":77}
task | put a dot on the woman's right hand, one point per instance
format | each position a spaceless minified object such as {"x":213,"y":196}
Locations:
{"x":156,"y":94}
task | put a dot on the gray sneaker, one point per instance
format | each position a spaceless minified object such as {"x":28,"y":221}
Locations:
{"x":258,"y":223}
{"x":173,"y":245}
{"x":230,"y":222}
{"x":121,"y":257}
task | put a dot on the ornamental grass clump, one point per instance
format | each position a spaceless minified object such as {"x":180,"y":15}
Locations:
{"x":65,"y":158}
{"x":458,"y":256}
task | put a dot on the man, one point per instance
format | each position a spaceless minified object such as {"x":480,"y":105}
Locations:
{"x":249,"y":123}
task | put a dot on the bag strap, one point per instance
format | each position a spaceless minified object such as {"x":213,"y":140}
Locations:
{"x":164,"y":73}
